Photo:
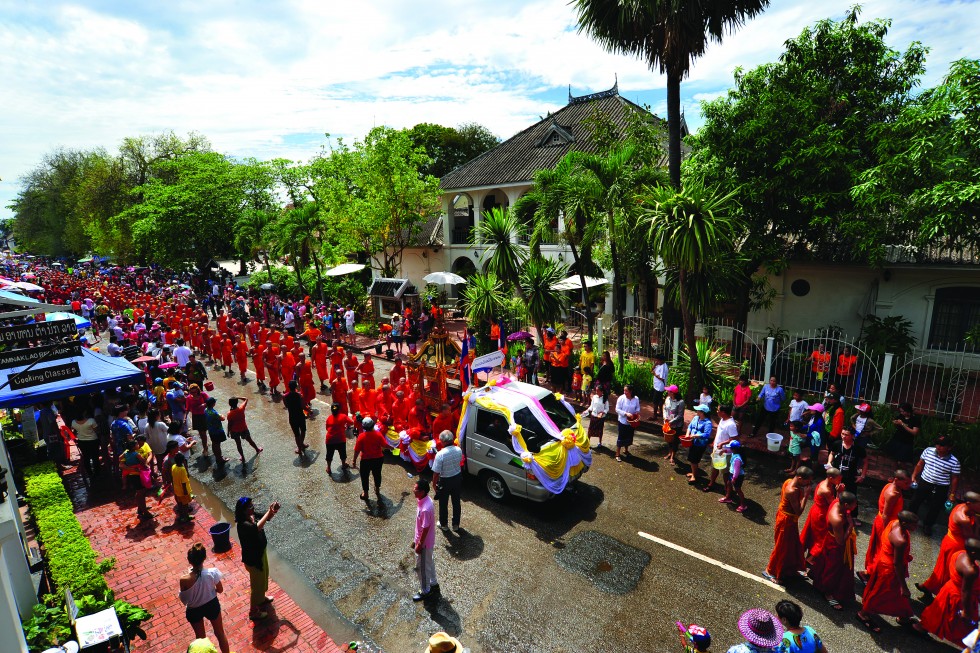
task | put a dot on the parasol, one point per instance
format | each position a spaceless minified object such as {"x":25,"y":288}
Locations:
{"x":443,"y":278}
{"x":266,"y":286}
{"x":344,"y":268}
{"x":575,"y":283}
{"x":168,"y":366}
{"x":80,"y":322}
{"x":28,"y":275}
{"x":519,"y":335}
{"x":143,"y":359}
{"x":24,"y":285}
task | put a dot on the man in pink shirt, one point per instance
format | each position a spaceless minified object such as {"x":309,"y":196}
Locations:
{"x":424,"y":543}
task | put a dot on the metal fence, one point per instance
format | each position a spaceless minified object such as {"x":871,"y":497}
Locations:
{"x":642,"y":338}
{"x":944,"y":382}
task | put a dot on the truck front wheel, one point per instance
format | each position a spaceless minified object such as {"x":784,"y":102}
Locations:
{"x":495,"y":485}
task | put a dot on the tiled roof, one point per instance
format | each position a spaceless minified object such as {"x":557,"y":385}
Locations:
{"x":429,"y":234}
{"x":518,"y":158}
{"x":389,"y":287}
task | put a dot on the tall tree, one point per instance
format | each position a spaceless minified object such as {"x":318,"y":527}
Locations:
{"x":500,"y":232}
{"x":688,"y":230}
{"x":668,"y":35}
{"x":450,"y":147}
{"x":537,"y":281}
{"x":794,"y":137}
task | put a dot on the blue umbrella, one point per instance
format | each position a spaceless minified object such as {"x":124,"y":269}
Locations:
{"x":80,"y":322}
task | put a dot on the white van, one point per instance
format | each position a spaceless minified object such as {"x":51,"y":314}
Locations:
{"x":487,"y":443}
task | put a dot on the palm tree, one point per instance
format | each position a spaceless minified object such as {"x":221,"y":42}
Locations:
{"x":537,"y":281}
{"x":611,"y":184}
{"x":688,"y":230}
{"x":251,"y":236}
{"x":304,"y":228}
{"x":666,"y":34}
{"x":500,"y":230}
{"x":561,"y":193}
{"x":483,"y":297}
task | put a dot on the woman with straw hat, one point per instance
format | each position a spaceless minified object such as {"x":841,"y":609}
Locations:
{"x":762,"y":631}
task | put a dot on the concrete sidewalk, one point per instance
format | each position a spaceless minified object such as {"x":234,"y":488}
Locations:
{"x":151,"y":558}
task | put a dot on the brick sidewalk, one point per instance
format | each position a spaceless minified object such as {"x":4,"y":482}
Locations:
{"x":150,"y":559}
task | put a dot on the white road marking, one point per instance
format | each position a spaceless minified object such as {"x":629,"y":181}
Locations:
{"x":712,"y":561}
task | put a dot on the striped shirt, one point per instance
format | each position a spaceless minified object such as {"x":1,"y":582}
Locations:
{"x":938,"y":471}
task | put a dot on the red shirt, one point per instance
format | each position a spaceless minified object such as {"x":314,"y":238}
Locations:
{"x":370,"y":444}
{"x":337,"y":428}
{"x":236,"y":420}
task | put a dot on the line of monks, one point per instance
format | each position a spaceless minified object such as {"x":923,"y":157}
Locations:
{"x":826,"y":552}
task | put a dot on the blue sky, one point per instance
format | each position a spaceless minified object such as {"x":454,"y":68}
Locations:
{"x":268,"y":79}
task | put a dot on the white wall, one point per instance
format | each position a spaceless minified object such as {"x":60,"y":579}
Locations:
{"x":843,"y":294}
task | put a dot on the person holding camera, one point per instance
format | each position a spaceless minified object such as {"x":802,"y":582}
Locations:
{"x":251,"y":534}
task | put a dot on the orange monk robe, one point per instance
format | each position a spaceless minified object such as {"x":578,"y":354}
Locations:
{"x":263,"y":336}
{"x":258,"y":359}
{"x":222,"y":322}
{"x":320,"y":361}
{"x":312,"y":334}
{"x":226,"y":353}
{"x":288,"y":343}
{"x":275,"y":336}
{"x":273,"y":365}
{"x":336,"y":360}
{"x":786,"y":559}
{"x":216,"y":347}
{"x":418,"y":418}
{"x":397,"y":374}
{"x":306,"y":386}
{"x":386,"y":402}
{"x":253,"y":331}
{"x":288,"y":366}
{"x":365,"y":401}
{"x":886,"y":514}
{"x":400,"y":411}
{"x":816,"y":520}
{"x":350,"y":368}
{"x":940,"y":617}
{"x":443,"y":423}
{"x":960,"y":529}
{"x":338,"y":391}
{"x":197,"y":341}
{"x":366,"y":371}
{"x":832,"y":570}
{"x":241,"y":356}
{"x":882,"y":593}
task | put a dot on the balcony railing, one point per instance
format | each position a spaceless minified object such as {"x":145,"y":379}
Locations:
{"x":547,"y":238}
{"x":461,"y":235}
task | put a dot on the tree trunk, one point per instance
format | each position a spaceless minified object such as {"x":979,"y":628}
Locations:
{"x":585,"y":291}
{"x":242,"y":267}
{"x":268,"y":268}
{"x":674,"y":130}
{"x":319,"y":278}
{"x":299,"y":276}
{"x":617,"y":305}
{"x":695,"y":380}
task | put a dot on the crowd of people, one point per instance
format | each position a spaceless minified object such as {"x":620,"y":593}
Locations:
{"x":181,"y":325}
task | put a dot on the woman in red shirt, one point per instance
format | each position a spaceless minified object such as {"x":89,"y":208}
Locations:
{"x":237,"y":428}
{"x":370,"y":446}
{"x":337,"y":425}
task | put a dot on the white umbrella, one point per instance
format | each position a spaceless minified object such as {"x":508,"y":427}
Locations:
{"x":443,"y":277}
{"x":26,"y":285}
{"x":575,"y":283}
{"x":344,"y":268}
{"x":266,"y":286}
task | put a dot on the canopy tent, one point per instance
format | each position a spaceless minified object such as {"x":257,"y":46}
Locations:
{"x":11,"y":297}
{"x":98,"y":373}
{"x":80,"y":322}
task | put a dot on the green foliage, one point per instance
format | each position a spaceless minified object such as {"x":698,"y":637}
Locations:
{"x":450,"y":147}
{"x":499,"y":229}
{"x":891,"y":334}
{"x":794,"y":137}
{"x":483,"y":297}
{"x":544,"y":303}
{"x":72,"y":563}
{"x":638,"y":375}
{"x":720,"y":371}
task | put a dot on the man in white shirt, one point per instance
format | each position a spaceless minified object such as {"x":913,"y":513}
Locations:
{"x":182,"y":353}
{"x":114,"y":349}
{"x":726,"y":432}
{"x":447,"y":476}
{"x":660,"y":372}
{"x":289,"y":321}
{"x":349,"y":320}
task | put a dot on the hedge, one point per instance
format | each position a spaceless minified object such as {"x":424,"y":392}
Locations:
{"x":72,"y":561}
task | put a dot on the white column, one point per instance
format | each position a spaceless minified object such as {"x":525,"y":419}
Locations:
{"x":886,"y":377}
{"x":770,"y":346}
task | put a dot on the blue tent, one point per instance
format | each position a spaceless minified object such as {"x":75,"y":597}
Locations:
{"x":98,"y":373}
{"x":16,"y":298}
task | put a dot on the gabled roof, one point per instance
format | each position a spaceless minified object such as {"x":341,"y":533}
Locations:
{"x":429,"y":233}
{"x":518,"y":158}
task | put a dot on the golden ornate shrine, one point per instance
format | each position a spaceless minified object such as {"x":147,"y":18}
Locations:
{"x":436,"y":361}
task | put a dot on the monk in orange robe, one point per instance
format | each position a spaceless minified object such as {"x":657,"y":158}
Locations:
{"x":320,"y":362}
{"x":443,"y":422}
{"x":336,"y":361}
{"x":886,"y":591}
{"x":272,"y":364}
{"x":216,"y":349}
{"x":962,"y":526}
{"x":258,"y":359}
{"x":306,"y":385}
{"x":350,"y":366}
{"x":288,"y":366}
{"x":365,"y":370}
{"x":816,"y":520}
{"x":786,"y":559}
{"x":951,"y":614}
{"x":227,"y":357}
{"x":339,"y":391}
{"x":832,"y":569}
{"x":418,"y":418}
{"x":241,"y":356}
{"x":890,"y":503}
{"x":397,"y":373}
{"x":386,"y":402}
{"x":364,"y":400}
{"x":403,"y":406}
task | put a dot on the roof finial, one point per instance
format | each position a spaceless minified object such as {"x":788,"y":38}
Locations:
{"x":616,"y":82}
{"x":569,"y":93}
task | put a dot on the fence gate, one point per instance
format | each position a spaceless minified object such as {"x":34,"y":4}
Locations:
{"x":745,"y":351}
{"x":796,"y":367}
{"x":642,"y":338}
{"x":941,"y":382}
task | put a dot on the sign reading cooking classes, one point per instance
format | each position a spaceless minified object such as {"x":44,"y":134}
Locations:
{"x":35,"y":377}
{"x":37,"y":331}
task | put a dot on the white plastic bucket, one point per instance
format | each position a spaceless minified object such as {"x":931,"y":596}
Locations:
{"x":719,"y":460}
{"x":774,"y":441}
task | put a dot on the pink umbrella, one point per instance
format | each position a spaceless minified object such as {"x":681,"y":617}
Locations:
{"x":167,"y":366}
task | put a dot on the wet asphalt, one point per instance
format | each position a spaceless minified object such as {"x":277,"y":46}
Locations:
{"x":569,"y":575}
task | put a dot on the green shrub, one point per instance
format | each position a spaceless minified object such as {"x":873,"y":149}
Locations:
{"x":72,"y":562}
{"x":637,"y":375}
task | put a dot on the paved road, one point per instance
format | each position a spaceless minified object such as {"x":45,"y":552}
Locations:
{"x":569,"y":575}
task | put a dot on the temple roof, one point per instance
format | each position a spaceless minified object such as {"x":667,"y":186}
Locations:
{"x":542,"y":144}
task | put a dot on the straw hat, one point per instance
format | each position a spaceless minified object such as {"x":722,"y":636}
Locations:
{"x":443,"y":643}
{"x":760,"y":628}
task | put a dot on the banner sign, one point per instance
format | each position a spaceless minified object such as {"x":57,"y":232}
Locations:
{"x":44,"y":375}
{"x":24,"y":357}
{"x":488,"y":361}
{"x":38,"y":331}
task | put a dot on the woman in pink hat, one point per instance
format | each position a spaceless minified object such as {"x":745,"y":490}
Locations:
{"x":762,"y":631}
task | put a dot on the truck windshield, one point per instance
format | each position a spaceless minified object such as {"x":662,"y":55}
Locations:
{"x":533,"y":433}
{"x":556,"y":410}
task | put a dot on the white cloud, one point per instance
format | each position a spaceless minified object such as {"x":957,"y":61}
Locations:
{"x":257,"y":79}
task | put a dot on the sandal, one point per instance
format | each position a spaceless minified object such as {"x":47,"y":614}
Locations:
{"x":725,"y":500}
{"x":865,"y":620}
{"x":618,"y":459}
{"x":741,"y":509}
{"x":835,"y":604}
